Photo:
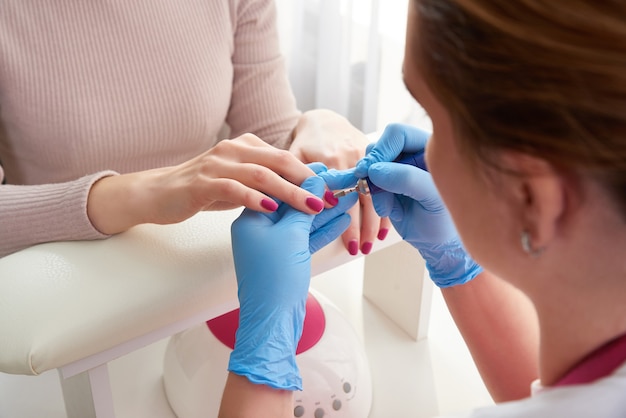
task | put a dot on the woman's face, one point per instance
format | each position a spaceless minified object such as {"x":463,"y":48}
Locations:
{"x":478,"y":210}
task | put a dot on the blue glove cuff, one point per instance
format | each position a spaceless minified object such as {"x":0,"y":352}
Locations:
{"x":265,"y":353}
{"x":449,"y":264}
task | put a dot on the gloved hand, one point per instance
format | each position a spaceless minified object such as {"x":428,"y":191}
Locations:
{"x":272,"y":254}
{"x":413,"y":204}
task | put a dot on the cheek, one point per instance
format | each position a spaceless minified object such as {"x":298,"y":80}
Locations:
{"x":479,"y":213}
{"x":446,"y":171}
{"x":462,"y":195}
{"x":461,"y":205}
{"x":473,"y":208}
{"x":483,"y":223}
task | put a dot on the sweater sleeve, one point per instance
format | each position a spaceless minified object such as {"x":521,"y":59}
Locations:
{"x":262,"y":101}
{"x":36,"y":214}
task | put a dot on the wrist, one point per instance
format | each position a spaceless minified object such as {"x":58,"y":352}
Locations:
{"x":111,"y":204}
{"x":265,"y":353}
{"x":449,"y":264}
{"x":241,"y":398}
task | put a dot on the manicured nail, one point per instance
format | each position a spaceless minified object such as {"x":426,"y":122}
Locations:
{"x":269,"y":204}
{"x":366,"y":248}
{"x":382,"y":234}
{"x":314,"y":203}
{"x":330,"y":198}
{"x":353,"y":247}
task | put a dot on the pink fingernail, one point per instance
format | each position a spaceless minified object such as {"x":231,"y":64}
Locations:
{"x":366,"y":248}
{"x":353,"y":247}
{"x":330,"y":198}
{"x":269,"y":204}
{"x":382,"y":234}
{"x":314,"y":203}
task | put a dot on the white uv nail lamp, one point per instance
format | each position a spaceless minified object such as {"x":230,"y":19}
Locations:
{"x":335,"y":373}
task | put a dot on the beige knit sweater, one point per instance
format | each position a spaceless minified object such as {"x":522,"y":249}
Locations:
{"x":90,"y":88}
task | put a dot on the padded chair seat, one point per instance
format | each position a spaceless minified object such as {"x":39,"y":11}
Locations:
{"x":62,"y":302}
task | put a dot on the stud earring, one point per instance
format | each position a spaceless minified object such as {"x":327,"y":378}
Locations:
{"x":527,"y":245}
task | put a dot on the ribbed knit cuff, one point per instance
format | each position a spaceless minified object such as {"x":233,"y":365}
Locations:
{"x":44,"y":213}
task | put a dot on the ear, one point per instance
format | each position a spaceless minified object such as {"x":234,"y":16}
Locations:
{"x":540,"y":194}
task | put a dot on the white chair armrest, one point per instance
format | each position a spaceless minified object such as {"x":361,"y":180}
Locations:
{"x":64,"y":302}
{"x":61,"y":302}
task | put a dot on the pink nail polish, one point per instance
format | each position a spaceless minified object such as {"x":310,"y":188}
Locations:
{"x":330,"y":198}
{"x":314,"y":203}
{"x":269,"y":204}
{"x":366,"y":248}
{"x":353,"y":247}
{"x":382,"y":234}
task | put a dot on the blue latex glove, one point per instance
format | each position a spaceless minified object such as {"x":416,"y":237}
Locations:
{"x":413,"y":205}
{"x":272,"y":254}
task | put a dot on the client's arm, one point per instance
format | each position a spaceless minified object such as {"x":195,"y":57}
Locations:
{"x":244,"y":171}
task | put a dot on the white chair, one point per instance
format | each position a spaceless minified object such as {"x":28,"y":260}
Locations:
{"x":76,"y":306}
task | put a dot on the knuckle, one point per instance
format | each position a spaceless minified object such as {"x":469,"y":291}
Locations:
{"x":295,"y":194}
{"x":225,"y":187}
{"x":283,"y":157}
{"x":223,"y":147}
{"x":259,"y":174}
{"x":333,"y":161}
{"x":250,"y":138}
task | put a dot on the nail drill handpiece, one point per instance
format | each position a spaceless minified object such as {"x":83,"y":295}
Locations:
{"x":365,"y":186}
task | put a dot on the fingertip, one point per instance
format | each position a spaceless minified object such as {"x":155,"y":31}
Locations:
{"x":314,"y":203}
{"x":329,"y":197}
{"x":383,"y":203}
{"x":269,"y":204}
{"x":353,"y":247}
{"x":314,"y":184}
{"x":361,"y":167}
{"x":317,"y":167}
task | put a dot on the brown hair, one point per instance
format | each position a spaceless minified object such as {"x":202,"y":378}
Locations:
{"x":543,"y":77}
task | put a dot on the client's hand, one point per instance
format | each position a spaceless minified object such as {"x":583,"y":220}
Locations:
{"x":244,"y":171}
{"x":325,"y":136}
{"x":272,"y":254}
{"x":412,"y":202}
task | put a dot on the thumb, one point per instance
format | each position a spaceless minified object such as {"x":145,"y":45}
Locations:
{"x":407,"y":180}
